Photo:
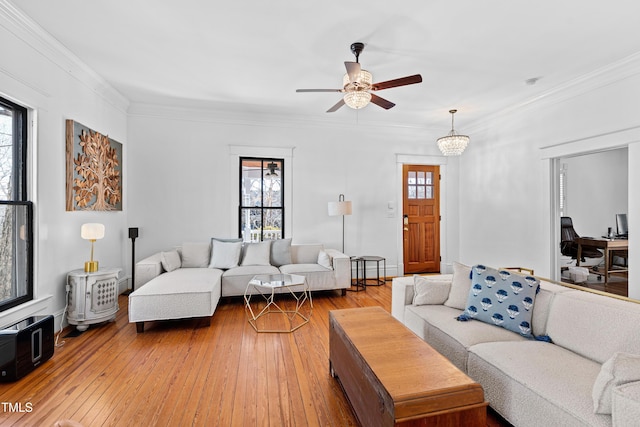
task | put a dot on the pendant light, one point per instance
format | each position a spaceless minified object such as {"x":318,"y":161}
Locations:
{"x":453,"y":144}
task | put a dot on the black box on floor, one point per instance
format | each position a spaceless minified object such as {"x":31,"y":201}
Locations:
{"x":24,"y":346}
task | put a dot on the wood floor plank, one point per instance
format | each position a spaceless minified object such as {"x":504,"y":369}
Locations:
{"x":181,"y":373}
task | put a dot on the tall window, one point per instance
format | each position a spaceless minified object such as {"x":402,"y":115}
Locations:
{"x":16,"y":212}
{"x":261,"y":199}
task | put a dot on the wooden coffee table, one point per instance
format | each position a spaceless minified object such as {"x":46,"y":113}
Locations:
{"x":393,"y":378}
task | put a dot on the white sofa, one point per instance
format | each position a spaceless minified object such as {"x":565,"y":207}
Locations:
{"x":595,"y":346}
{"x":187,"y":282}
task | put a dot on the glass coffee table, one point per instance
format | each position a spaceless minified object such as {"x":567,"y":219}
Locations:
{"x":278,"y":302}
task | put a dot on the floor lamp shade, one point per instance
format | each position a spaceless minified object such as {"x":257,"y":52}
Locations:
{"x":340,"y":208}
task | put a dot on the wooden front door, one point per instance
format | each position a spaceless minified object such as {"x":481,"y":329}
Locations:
{"x":421,"y":216}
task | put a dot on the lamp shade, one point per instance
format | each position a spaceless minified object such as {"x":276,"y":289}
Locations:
{"x":92,"y":231}
{"x":339,"y":208}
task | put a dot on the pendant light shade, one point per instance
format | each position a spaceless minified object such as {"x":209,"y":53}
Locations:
{"x":453,"y":144}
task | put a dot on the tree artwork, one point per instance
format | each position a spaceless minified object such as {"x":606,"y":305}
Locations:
{"x":96,"y":181}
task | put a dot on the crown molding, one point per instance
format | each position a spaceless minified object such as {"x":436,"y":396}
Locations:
{"x":27,"y":30}
{"x":588,"y":82}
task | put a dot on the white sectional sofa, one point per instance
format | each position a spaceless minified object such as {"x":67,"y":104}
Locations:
{"x":189,"y":281}
{"x":589,"y":374}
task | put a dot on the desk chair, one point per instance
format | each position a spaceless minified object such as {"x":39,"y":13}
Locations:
{"x":568,"y":244}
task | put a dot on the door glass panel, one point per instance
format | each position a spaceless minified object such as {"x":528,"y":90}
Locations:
{"x":420,"y":178}
{"x":411,"y":178}
{"x":429,"y":178}
{"x":421,"y":192}
{"x":429,"y":194}
{"x":411,"y":191}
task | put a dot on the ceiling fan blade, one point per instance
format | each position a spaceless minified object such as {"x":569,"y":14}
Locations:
{"x":381,"y":102}
{"x":353,"y":69}
{"x":318,"y":90}
{"x":335,"y":107}
{"x":403,"y":81}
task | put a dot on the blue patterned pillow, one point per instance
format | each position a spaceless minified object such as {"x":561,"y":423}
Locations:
{"x":501,"y":298}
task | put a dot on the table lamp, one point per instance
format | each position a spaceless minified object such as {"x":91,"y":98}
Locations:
{"x":92,"y":232}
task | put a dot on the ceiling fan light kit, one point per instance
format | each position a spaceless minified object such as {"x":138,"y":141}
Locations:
{"x":453,"y":144}
{"x":357,"y":84}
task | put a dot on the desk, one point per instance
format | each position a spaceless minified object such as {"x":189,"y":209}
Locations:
{"x":608,"y":246}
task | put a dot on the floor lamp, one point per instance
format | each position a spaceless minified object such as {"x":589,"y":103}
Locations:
{"x":341,"y":207}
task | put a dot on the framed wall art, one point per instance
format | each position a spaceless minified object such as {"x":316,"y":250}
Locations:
{"x":94,"y":170}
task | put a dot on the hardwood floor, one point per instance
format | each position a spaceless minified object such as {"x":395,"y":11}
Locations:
{"x":184,"y":373}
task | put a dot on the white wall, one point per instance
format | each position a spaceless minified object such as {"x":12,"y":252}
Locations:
{"x":36,"y":74}
{"x":505,"y":186}
{"x":597,"y":190}
{"x":183,"y":183}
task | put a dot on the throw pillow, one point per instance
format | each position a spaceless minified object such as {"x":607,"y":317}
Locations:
{"x":256,"y":253}
{"x":225,"y":255}
{"x":429,"y":291}
{"x":195,"y":255}
{"x":501,"y":298}
{"x":460,"y":285}
{"x":281,"y":252}
{"x":170,"y":260}
{"x":325,"y":260}
{"x":620,"y":369}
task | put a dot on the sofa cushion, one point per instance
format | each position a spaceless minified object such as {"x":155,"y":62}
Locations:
{"x":436,"y":324}
{"x":594,"y":326}
{"x":281,"y":252}
{"x":430,"y":291}
{"x":183,"y":293}
{"x":170,"y":260}
{"x":195,"y":255}
{"x":620,"y":369}
{"x":460,"y":284}
{"x":235,"y":280}
{"x":534,"y":383}
{"x":225,"y":255}
{"x":305,"y":254}
{"x":318,"y":277}
{"x":501,"y":298}
{"x":256,"y":253}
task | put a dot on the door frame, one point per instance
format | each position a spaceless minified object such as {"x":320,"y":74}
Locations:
{"x":417,"y":159}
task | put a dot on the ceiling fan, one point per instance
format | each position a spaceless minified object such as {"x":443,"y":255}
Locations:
{"x":357,"y":85}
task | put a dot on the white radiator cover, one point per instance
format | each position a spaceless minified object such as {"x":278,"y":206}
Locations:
{"x":92,"y":297}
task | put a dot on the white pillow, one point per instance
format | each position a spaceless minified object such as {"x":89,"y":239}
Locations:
{"x":430,"y":291}
{"x":256,"y":253}
{"x":620,"y":369}
{"x":225,"y":255}
{"x":324,"y":259}
{"x":170,"y":260}
{"x":195,"y":254}
{"x":460,"y":285}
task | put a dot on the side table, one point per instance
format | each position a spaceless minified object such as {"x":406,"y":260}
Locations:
{"x":377,"y":260}
{"x":92,"y":297}
{"x":359,"y":284}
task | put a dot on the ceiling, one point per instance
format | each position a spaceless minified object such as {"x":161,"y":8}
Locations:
{"x":473,"y":55}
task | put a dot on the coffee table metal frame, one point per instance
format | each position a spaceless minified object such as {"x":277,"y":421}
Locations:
{"x":268,"y":286}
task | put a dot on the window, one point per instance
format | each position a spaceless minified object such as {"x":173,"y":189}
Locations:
{"x":261,"y":213}
{"x":16,"y":212}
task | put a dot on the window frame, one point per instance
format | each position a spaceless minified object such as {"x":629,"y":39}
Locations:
{"x":18,"y":198}
{"x":264,"y":162}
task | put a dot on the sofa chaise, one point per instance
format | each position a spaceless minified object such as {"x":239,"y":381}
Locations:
{"x":576,"y":362}
{"x":188,"y":282}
